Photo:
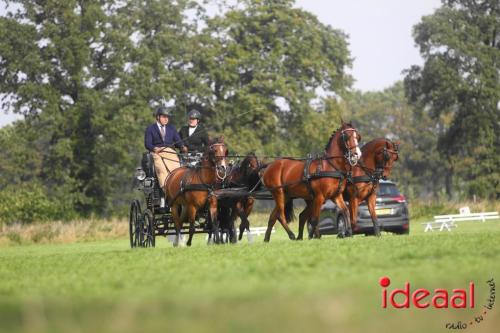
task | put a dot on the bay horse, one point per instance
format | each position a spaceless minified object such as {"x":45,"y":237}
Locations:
{"x":377,"y":159}
{"x":191,"y":189}
{"x":242,"y":175}
{"x":314,"y":180}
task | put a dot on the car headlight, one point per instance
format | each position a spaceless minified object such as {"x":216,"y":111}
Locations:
{"x":140,"y":174}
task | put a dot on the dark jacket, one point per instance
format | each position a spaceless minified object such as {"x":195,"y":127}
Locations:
{"x":197,"y":141}
{"x":152,"y":137}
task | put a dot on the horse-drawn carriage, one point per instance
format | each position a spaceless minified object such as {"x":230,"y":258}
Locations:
{"x":229,"y":187}
{"x":156,"y":218}
{"x":329,"y":176}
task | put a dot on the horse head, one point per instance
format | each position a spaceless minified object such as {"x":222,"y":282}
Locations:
{"x":249,"y":164}
{"x":216,"y":154}
{"x":380,"y":155}
{"x":386,"y":156}
{"x":347,"y":139}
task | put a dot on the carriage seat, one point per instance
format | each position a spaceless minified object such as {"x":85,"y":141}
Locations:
{"x":148,"y":165}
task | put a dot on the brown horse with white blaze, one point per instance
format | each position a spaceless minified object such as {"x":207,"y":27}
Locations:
{"x":378,"y":157}
{"x":191,"y":189}
{"x":314,"y":180}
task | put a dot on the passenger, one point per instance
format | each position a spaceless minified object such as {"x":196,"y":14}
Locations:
{"x":194,"y":135}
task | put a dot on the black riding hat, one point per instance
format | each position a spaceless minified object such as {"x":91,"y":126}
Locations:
{"x":163,"y":111}
{"x":194,"y":114}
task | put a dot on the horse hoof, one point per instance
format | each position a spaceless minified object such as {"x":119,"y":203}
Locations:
{"x":291,"y":236}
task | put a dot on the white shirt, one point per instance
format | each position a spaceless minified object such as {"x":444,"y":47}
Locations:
{"x":191,"y":130}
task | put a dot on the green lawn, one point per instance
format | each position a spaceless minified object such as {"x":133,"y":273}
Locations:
{"x":321,"y":285}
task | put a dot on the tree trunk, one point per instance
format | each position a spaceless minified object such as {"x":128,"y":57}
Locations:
{"x":449,"y":183}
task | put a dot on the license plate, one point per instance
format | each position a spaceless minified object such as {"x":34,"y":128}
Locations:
{"x":384,"y":211}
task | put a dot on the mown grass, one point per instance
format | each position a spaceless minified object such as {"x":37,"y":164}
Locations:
{"x":98,"y":229}
{"x":325,"y":285}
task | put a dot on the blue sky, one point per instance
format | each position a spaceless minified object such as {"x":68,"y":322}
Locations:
{"x":379,"y":36}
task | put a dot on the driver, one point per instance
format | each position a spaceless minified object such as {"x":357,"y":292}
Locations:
{"x":160,"y":138}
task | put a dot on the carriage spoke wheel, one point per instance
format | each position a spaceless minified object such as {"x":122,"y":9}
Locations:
{"x":135,"y":224}
{"x":148,"y":229}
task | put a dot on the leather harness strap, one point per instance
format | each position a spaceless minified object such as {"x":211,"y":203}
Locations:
{"x":308,"y":177}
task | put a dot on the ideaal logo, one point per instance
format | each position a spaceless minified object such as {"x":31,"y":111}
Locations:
{"x":422,"y":298}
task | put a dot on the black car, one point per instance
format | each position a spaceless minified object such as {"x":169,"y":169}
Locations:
{"x":391,"y":208}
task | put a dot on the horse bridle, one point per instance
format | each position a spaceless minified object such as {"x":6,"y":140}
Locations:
{"x":220,"y":176}
{"x":349,"y":156}
{"x":386,"y":152}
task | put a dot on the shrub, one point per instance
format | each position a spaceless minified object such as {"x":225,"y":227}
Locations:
{"x":29,"y":202}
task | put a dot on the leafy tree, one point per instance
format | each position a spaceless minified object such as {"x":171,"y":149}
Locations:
{"x":60,"y":63}
{"x":459,"y":88}
{"x":387,"y":114}
{"x":84,"y":73}
{"x":87,"y":75}
{"x":265,"y":63}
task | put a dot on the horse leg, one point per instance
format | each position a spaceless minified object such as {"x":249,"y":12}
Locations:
{"x":347,"y":231}
{"x":232,"y":227}
{"x":177,"y":223}
{"x":314,"y":213}
{"x":230,"y":220}
{"x":303,"y":217}
{"x":238,"y":211}
{"x":191,"y":215}
{"x":248,"y":207}
{"x":270,"y":224}
{"x":212,"y":201}
{"x":279,"y":198}
{"x":241,"y":209}
{"x":281,"y":214}
{"x":353,"y":211}
{"x":371,"y":201}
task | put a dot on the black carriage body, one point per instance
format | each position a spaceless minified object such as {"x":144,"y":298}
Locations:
{"x":156,"y":218}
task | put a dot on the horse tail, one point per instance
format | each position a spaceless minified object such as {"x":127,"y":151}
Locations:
{"x":289,"y":213}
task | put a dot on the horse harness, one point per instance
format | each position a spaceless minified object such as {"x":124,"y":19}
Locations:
{"x":186,"y":186}
{"x":319,"y":173}
{"x":374,"y":177}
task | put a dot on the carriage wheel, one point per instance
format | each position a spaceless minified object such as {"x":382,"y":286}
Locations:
{"x":148,"y":229}
{"x":135,"y":224}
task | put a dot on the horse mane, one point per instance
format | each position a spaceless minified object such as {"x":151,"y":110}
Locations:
{"x":373,"y":142}
{"x":217,"y":140}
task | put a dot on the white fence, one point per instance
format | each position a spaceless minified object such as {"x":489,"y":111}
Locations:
{"x":446,"y":222}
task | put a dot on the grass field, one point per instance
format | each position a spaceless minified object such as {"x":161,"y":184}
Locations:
{"x":321,"y":285}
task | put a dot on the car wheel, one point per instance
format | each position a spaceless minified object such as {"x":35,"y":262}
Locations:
{"x":341,"y":223}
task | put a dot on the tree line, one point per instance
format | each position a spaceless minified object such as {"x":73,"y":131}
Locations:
{"x":87,"y":76}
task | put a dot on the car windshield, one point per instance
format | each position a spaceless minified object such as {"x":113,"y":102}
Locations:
{"x":387,"y":190}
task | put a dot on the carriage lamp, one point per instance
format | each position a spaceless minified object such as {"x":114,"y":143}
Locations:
{"x":140,"y":174}
{"x":148,"y":182}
